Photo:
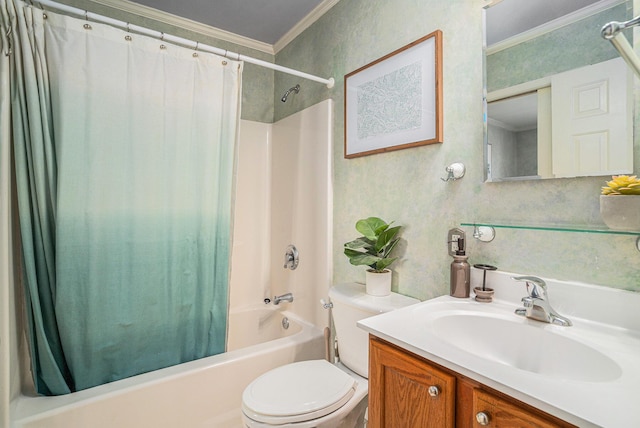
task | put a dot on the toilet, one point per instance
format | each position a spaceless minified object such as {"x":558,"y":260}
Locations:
{"x":318,"y":393}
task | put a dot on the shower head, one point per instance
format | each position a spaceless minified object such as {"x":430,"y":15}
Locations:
{"x":295,"y":89}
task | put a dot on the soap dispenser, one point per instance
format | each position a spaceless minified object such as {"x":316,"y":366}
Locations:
{"x":460,"y":272}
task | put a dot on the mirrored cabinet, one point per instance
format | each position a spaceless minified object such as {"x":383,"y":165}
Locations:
{"x":559,"y":98}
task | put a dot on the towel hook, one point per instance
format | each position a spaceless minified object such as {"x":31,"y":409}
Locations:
{"x":455,"y":171}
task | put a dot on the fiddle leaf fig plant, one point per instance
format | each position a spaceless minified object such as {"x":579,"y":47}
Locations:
{"x":373,"y":248}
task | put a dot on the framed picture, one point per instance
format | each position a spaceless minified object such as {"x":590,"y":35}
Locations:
{"x":395,"y":102}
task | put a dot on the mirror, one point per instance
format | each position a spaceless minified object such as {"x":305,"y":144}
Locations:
{"x":559,"y":99}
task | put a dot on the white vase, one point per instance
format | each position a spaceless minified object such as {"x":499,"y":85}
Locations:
{"x":378,"y":284}
{"x":620,"y":212}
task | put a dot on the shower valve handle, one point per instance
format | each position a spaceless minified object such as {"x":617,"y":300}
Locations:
{"x":291,"y":258}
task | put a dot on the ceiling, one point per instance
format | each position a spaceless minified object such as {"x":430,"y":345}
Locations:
{"x":270,"y":21}
{"x":266,"y":21}
{"x":517,"y":113}
{"x":508,"y":18}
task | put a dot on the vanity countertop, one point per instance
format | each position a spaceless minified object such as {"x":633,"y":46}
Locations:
{"x":587,"y":374}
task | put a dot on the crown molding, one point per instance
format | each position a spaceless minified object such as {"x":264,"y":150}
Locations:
{"x":305,"y":23}
{"x":553,"y":25}
{"x":187,"y":24}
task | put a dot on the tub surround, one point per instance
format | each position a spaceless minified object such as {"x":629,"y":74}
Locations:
{"x":604,"y":396}
{"x":283,"y":197}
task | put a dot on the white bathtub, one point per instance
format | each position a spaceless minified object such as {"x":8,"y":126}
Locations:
{"x":202,"y":393}
{"x":254,"y":326}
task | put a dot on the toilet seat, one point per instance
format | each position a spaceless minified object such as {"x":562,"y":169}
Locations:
{"x":297,"y":392}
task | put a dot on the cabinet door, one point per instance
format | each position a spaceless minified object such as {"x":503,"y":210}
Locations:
{"x":492,"y":411}
{"x":405,"y":391}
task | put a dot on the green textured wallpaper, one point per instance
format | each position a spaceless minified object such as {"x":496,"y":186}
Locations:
{"x":405,"y":186}
{"x":581,"y":45}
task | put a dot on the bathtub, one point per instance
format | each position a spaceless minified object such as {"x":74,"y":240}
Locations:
{"x":201,"y":393}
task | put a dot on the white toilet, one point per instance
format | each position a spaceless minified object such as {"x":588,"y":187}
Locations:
{"x":317,"y":393}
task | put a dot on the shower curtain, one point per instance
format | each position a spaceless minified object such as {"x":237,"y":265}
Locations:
{"x":124,"y":150}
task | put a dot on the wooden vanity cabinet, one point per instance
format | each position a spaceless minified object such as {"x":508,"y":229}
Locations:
{"x":407,"y":391}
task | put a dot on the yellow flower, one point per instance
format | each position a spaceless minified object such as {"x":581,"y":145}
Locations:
{"x":622,"y":185}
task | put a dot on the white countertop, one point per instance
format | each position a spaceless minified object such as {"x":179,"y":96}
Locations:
{"x":609,"y":399}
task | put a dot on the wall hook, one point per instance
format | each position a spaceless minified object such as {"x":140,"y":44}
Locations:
{"x":454,"y":172}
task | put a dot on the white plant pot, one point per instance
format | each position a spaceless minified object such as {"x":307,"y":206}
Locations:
{"x":620,"y":212}
{"x":378,"y":284}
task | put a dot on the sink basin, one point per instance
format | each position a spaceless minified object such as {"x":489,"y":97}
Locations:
{"x":525,"y":346}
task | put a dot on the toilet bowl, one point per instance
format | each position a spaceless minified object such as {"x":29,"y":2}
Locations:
{"x":318,"y":393}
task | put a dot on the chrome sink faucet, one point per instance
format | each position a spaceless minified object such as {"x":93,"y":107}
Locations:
{"x":536,"y":304}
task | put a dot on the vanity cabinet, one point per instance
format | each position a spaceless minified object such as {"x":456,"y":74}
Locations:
{"x":406,"y":390}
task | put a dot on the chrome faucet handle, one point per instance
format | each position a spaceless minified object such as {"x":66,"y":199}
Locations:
{"x":536,"y":304}
{"x":536,"y":287}
{"x":527,"y":302}
{"x":291,"y":257}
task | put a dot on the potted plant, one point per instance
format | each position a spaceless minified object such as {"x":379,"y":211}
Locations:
{"x":373,"y":250}
{"x":620,"y":203}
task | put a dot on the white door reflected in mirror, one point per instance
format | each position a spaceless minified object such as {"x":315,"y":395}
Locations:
{"x":577,"y":123}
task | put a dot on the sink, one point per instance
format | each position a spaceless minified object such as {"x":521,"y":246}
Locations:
{"x":587,"y":374}
{"x":523,"y":344}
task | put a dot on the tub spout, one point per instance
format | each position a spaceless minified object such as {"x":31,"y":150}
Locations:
{"x":284,"y":298}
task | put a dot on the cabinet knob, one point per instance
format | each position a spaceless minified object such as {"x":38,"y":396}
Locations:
{"x":482,"y":418}
{"x":434,"y":391}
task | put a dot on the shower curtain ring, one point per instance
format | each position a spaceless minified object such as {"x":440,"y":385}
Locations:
{"x":86,"y":18}
{"x":195,"y":54}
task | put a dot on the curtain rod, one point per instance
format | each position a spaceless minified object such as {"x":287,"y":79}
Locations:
{"x":612,"y":31}
{"x":182,"y":41}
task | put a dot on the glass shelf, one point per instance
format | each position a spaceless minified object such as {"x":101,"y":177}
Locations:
{"x":555,"y":228}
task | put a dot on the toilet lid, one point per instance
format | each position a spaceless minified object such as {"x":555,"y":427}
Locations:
{"x":297,"y":392}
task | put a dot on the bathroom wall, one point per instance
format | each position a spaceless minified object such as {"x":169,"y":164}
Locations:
{"x":405,"y":186}
{"x":527,"y":152}
{"x":503,"y":151}
{"x":250,"y":261}
{"x":283,"y":196}
{"x":301,"y":208}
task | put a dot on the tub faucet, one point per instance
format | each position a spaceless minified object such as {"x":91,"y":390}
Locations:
{"x":284,"y":298}
{"x":536,"y":304}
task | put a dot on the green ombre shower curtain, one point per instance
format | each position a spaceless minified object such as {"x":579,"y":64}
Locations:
{"x":124,"y":149}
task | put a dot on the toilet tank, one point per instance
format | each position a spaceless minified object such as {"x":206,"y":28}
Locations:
{"x":351,"y":304}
